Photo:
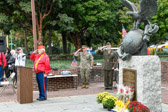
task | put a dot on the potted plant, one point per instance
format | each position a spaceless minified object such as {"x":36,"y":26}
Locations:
{"x":135,"y":106}
{"x":100,"y":96}
{"x":109,"y":101}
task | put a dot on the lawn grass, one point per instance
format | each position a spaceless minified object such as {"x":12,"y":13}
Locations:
{"x":60,"y":64}
{"x":65,"y":64}
{"x":163,"y":58}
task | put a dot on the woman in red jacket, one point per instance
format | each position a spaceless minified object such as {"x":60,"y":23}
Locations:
{"x":2,"y":64}
{"x":41,"y":68}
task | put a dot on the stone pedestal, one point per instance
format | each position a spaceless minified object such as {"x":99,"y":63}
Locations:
{"x":148,"y":79}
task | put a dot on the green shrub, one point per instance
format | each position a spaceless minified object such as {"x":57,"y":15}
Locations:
{"x":161,"y":53}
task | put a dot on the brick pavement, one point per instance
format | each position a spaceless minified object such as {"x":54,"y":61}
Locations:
{"x":165,"y":93}
{"x":95,"y":88}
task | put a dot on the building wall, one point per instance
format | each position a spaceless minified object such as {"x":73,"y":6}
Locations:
{"x":164,"y":69}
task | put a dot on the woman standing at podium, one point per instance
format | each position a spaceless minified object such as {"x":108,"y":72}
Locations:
{"x":41,"y":68}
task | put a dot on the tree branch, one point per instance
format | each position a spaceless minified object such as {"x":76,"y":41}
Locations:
{"x":37,"y":24}
{"x":25,"y":26}
{"x":47,"y":6}
{"x":46,"y":14}
{"x":46,"y":23}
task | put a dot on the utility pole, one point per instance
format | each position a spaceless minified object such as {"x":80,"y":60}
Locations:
{"x":34,"y":24}
{"x":7,"y":41}
{"x":11,"y":39}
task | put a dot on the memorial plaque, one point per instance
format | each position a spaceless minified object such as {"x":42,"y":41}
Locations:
{"x":130,"y":78}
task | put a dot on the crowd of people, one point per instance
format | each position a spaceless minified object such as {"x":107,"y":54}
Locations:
{"x":9,"y":62}
{"x":11,"y":59}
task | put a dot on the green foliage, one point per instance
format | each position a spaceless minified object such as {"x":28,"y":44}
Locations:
{"x":91,"y":20}
{"x":109,"y":101}
{"x":160,"y":18}
{"x":26,"y":6}
{"x":3,"y":18}
{"x":65,"y":22}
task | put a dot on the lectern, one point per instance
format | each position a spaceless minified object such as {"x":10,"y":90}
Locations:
{"x":24,"y":85}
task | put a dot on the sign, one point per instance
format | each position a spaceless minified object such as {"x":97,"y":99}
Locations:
{"x":11,"y":43}
{"x":129,"y":78}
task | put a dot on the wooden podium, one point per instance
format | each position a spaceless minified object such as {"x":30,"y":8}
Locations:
{"x":24,"y":85}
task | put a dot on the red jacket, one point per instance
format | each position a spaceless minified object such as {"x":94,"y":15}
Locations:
{"x":42,"y":64}
{"x":3,"y":59}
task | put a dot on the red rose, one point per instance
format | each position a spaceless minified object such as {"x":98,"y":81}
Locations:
{"x":121,"y":90}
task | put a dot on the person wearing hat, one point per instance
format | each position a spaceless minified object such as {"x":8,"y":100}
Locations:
{"x":109,"y":64}
{"x":20,"y":57}
{"x":86,"y":63}
{"x":20,"y":60}
{"x":41,"y":68}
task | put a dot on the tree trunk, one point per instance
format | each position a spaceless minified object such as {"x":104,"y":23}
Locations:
{"x":103,"y":38}
{"x":49,"y":42}
{"x":76,"y":40}
{"x":40,"y":39}
{"x":64,"y":42}
{"x":25,"y":41}
{"x":2,"y":33}
{"x":79,"y":45}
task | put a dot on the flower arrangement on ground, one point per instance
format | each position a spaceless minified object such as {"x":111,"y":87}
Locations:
{"x":125,"y":94}
{"x":135,"y":106}
{"x":121,"y":106}
{"x":109,"y":101}
{"x":100,"y":96}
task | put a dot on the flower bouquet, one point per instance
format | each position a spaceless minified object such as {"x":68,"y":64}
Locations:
{"x":125,"y":94}
{"x":135,"y":106}
{"x":109,"y":101}
{"x":120,"y":93}
{"x":100,"y":96}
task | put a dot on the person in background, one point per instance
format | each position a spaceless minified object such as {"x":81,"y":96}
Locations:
{"x":41,"y":68}
{"x":2,"y":65}
{"x":86,"y":63}
{"x":11,"y":62}
{"x":7,"y":55}
{"x":20,"y":59}
{"x":109,"y":64}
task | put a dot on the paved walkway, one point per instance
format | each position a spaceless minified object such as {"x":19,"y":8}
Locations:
{"x":95,"y":88}
{"x":83,"y":103}
{"x":65,"y":100}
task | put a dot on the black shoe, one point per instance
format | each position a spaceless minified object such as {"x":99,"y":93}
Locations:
{"x":108,"y":88}
{"x":37,"y":98}
{"x":42,"y":99}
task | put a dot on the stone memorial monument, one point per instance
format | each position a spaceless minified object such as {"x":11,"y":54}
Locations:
{"x":135,"y":66}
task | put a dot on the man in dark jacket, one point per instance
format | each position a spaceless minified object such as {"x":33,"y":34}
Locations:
{"x":109,"y":64}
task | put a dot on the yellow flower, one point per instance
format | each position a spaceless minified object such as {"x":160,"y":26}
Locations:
{"x":100,"y":96}
{"x":120,"y":103}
